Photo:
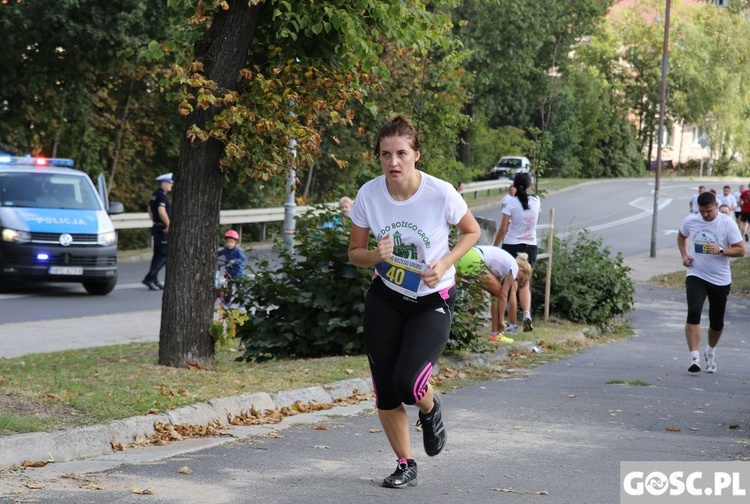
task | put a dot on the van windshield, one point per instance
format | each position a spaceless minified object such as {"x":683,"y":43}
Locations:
{"x":47,"y":190}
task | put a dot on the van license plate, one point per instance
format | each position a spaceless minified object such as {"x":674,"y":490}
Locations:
{"x":65,"y":270}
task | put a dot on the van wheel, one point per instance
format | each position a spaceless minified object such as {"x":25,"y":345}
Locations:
{"x":100,"y":288}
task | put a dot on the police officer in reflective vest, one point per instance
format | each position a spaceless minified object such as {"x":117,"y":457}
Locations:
{"x":160,"y":211}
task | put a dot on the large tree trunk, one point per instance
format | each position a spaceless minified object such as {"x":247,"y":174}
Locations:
{"x":187,"y":306}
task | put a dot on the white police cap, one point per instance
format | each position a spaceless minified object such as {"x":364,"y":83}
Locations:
{"x":167,"y":177}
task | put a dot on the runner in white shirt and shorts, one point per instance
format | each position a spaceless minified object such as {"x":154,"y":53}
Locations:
{"x":706,"y":242}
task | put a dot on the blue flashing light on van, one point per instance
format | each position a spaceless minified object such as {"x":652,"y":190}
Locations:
{"x":55,"y":226}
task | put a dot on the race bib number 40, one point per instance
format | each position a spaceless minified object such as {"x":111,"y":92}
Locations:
{"x":401,"y":275}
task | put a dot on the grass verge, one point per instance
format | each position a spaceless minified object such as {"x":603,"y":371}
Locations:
{"x":740,"y":277}
{"x":46,"y":392}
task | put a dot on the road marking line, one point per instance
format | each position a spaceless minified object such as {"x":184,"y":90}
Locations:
{"x":635,"y":203}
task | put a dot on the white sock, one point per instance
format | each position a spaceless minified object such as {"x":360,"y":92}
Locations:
{"x":710,"y":349}
{"x":695,"y":355}
{"x":527,"y":315}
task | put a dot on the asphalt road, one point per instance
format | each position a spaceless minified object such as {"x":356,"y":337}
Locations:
{"x":620,"y":211}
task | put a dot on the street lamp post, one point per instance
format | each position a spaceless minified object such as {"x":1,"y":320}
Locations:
{"x":662,"y":108}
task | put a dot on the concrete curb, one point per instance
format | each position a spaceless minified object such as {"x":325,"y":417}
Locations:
{"x":96,"y":440}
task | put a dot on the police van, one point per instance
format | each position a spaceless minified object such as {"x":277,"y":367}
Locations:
{"x":55,"y":225}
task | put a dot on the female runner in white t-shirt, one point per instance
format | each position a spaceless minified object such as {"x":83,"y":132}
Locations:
{"x":517,"y":233}
{"x":409,"y":306}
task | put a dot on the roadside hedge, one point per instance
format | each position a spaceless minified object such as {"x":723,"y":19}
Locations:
{"x":588,"y":284}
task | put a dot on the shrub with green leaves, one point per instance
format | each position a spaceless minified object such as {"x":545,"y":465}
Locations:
{"x":470,"y":319}
{"x":588,"y":285}
{"x":309,"y":302}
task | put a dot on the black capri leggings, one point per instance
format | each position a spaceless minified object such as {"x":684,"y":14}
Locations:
{"x":404,"y":339}
{"x":530,"y":250}
{"x":696,"y":291}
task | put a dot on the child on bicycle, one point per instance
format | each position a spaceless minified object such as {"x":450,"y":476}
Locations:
{"x":234,"y":257}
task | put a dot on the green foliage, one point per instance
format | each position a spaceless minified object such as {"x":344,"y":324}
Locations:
{"x":588,"y":285}
{"x":712,"y":55}
{"x":224,"y":329}
{"x":513,"y":47}
{"x":469,"y":316}
{"x":488,"y":145}
{"x":311,"y":302}
{"x":133,"y":239}
{"x":539,"y":154}
{"x":590,"y":132}
{"x":71,"y":86}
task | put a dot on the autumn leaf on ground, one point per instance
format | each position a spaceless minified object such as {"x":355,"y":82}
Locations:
{"x":145,"y":491}
{"x":320,"y":427}
{"x":34,"y":485}
{"x":35,"y":463}
{"x":375,"y":431}
{"x":90,"y":486}
{"x":735,"y":426}
{"x":673,"y":429}
{"x":185,"y":470}
{"x":355,"y":398}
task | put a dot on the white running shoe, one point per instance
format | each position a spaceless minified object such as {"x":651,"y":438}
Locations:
{"x":710,"y":362}
{"x":512,"y":329}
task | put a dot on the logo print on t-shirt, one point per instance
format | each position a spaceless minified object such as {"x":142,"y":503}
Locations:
{"x":402,"y":250}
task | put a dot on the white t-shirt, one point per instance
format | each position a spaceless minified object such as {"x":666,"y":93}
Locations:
{"x":419,"y":227}
{"x":728,"y":200}
{"x":736,"y":195}
{"x":498,"y":261}
{"x":694,"y":203}
{"x":522,"y":225}
{"x":712,"y":268}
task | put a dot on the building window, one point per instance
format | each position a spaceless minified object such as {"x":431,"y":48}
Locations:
{"x":666,"y":137}
{"x":699,"y":137}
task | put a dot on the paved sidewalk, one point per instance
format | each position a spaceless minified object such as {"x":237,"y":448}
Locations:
{"x":22,"y":338}
{"x":644,"y":266}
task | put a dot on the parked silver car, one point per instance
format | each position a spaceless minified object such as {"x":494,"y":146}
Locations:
{"x":507,"y":167}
